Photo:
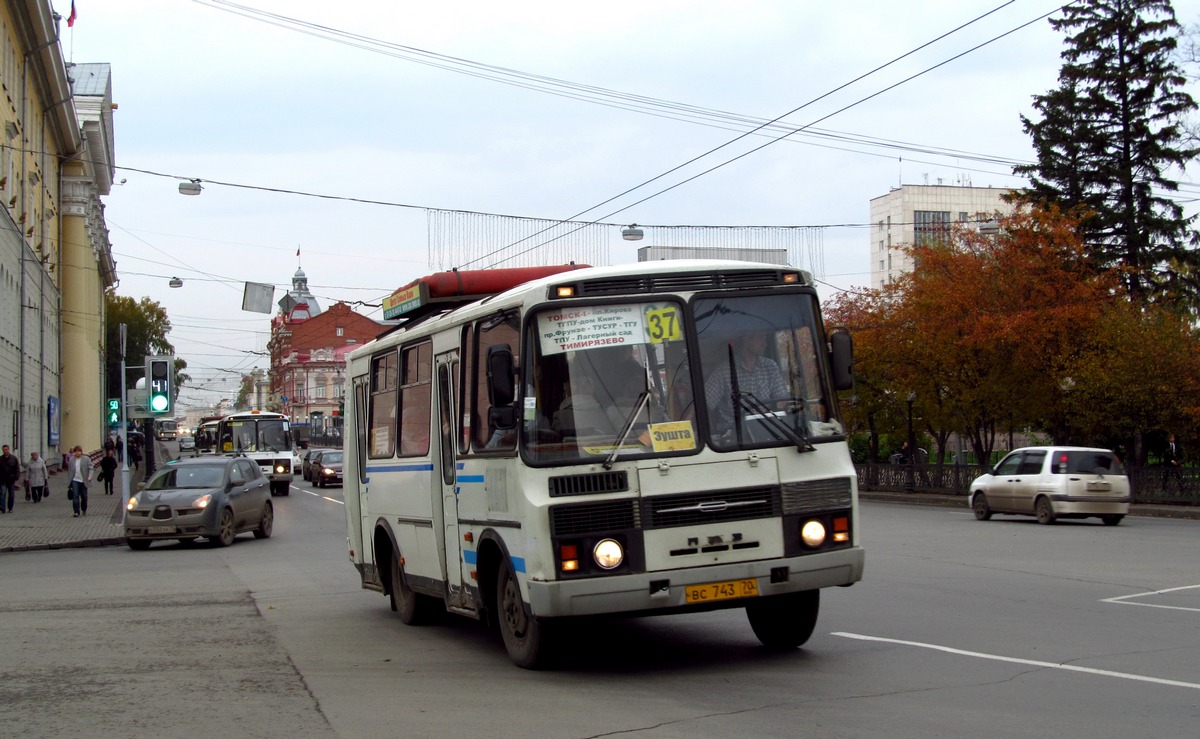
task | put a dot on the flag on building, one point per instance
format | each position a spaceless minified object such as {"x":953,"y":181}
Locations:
{"x":71,"y":17}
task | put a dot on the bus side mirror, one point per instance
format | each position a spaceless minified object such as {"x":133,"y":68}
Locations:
{"x":501,"y":396}
{"x":841,"y":359}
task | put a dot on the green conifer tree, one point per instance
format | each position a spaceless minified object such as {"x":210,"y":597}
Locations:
{"x":1111,"y":136}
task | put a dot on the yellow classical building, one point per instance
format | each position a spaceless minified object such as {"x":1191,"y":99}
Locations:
{"x":56,"y":147}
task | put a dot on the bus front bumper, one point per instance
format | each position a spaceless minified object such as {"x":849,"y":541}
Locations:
{"x":666,"y":591}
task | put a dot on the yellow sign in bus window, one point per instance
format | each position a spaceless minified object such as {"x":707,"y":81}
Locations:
{"x":674,"y":436}
{"x":662,"y":324}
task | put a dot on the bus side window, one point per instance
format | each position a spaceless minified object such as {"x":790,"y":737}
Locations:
{"x":384,"y":396}
{"x":415,"y":392}
{"x":491,"y":332}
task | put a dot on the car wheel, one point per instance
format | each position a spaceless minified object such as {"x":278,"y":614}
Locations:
{"x":414,"y":609}
{"x":225,"y":530}
{"x":983,"y":511}
{"x":1112,"y":520}
{"x":139,"y":545}
{"x":1044,"y":511}
{"x":266,"y":523}
{"x":525,"y":637}
{"x":784,"y":621}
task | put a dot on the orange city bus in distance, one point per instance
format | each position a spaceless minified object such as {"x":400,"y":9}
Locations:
{"x":535,"y":445}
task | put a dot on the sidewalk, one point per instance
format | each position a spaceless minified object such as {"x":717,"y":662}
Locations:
{"x":51,"y":524}
{"x":960,"y":501}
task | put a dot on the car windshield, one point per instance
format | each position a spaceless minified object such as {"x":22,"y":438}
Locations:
{"x":608,"y":380}
{"x":764,"y":371}
{"x":334,"y":458}
{"x":192,"y":476}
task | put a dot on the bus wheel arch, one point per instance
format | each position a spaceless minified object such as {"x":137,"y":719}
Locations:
{"x":413,"y":608}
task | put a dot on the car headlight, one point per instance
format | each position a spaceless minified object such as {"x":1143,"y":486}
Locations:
{"x":202,"y":501}
{"x":608,"y":554}
{"x":280,"y":469}
{"x":326,"y":471}
{"x":132,"y":504}
{"x":812,"y":533}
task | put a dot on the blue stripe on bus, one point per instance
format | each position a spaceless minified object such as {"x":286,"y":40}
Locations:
{"x":470,"y":478}
{"x":419,"y":467}
{"x":471,"y":557}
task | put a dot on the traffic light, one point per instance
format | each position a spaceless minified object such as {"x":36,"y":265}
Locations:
{"x":114,"y":411}
{"x":158,"y":384}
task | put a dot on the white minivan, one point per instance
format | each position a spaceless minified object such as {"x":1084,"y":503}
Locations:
{"x":1054,"y":482}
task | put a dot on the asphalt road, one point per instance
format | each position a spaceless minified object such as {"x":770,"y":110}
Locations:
{"x":961,"y":628}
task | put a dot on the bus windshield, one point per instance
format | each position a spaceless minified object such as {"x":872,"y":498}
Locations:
{"x":609,"y":380}
{"x":765,"y":378}
{"x":256,"y":435}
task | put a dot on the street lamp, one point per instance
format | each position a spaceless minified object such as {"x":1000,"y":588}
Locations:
{"x":909,"y":480}
{"x":631,"y":233}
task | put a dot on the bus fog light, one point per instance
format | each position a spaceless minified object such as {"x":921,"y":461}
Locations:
{"x":812,"y":533}
{"x":608,"y":554}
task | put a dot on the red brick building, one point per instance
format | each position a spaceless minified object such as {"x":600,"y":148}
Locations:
{"x":308,"y":362}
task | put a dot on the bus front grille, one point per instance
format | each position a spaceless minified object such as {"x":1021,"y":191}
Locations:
{"x":711,"y":506}
{"x":600,"y":482}
{"x":587,"y":518}
{"x":813,"y":496}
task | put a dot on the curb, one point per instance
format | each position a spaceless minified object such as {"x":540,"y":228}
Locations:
{"x":1149,"y":510}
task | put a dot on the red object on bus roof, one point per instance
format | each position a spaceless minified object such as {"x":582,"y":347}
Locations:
{"x":485,"y":281}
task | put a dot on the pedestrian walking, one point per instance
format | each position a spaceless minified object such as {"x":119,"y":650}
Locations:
{"x":81,"y":476}
{"x":120,"y":449}
{"x":10,"y":473}
{"x":135,"y":454}
{"x":108,"y":470}
{"x":36,"y":475}
{"x":1172,"y":464}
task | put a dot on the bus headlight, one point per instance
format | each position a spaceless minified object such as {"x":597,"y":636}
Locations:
{"x":280,"y":469}
{"x":608,"y":554}
{"x":812,"y":533}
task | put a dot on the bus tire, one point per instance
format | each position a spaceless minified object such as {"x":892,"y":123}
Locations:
{"x":784,"y":621}
{"x":414,"y":609}
{"x":525,"y":637}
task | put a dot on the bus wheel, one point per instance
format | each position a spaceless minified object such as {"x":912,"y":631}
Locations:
{"x":414,"y":609}
{"x":524,"y":636}
{"x":784,"y":621}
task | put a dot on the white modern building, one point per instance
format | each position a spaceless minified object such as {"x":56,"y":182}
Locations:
{"x":916,"y":214}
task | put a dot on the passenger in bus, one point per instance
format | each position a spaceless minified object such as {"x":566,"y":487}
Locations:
{"x":580,"y":413}
{"x":757,"y":374}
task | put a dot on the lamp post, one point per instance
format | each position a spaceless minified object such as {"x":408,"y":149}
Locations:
{"x":910,"y":477}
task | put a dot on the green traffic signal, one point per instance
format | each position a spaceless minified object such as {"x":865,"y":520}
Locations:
{"x":160,"y":386}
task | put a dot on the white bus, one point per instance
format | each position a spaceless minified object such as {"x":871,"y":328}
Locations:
{"x":603,"y":441}
{"x":264,"y":437}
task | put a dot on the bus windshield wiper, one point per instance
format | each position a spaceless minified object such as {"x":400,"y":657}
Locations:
{"x":746,"y":402}
{"x":642,"y":399}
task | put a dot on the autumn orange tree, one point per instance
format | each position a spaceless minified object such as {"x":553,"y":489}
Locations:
{"x":1015,"y":331}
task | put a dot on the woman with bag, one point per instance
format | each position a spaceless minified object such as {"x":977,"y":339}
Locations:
{"x":35,"y":476}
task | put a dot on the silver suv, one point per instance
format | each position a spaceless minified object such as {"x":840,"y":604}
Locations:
{"x":1053,"y":482}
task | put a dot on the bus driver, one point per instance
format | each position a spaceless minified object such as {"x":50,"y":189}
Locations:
{"x":757,"y":375}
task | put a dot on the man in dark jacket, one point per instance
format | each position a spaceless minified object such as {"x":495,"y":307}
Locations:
{"x":10,"y":472}
{"x":1172,"y":463}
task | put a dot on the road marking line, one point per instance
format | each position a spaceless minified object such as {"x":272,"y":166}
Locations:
{"x":332,"y":500}
{"x":1020,"y":661}
{"x":1124,"y":599}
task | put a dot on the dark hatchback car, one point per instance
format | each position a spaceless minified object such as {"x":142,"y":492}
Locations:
{"x":214,"y":498}
{"x":307,"y":462}
{"x":328,"y":469}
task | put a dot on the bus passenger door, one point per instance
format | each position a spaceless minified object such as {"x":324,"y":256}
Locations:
{"x":446,"y":459}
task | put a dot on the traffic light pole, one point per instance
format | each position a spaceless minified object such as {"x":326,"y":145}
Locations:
{"x":124,"y":433}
